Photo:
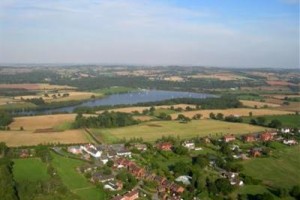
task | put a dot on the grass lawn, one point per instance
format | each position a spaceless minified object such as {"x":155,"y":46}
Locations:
{"x":150,"y":131}
{"x":32,"y":169}
{"x":286,"y":120}
{"x":76,"y":182}
{"x":282,"y":171}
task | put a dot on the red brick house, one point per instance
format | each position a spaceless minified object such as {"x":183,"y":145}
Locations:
{"x":266,"y":136}
{"x":132,"y":195}
{"x":229,"y":138}
{"x":249,"y":138}
{"x":165,"y":146}
{"x":136,"y":171}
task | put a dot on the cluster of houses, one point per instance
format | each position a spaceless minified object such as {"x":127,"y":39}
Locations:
{"x":103,"y":153}
{"x":166,"y":189}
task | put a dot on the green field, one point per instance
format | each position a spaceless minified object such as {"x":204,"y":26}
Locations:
{"x":282,"y":171}
{"x":76,"y":182}
{"x":150,"y":131}
{"x":32,"y":169}
{"x":16,"y":106}
{"x":114,"y":90}
{"x":286,"y":120}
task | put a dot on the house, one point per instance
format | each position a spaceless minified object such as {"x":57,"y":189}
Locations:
{"x":75,"y":149}
{"x":24,"y":153}
{"x":249,"y":138}
{"x":177,"y":189}
{"x":140,"y":147}
{"x":101,"y":178}
{"x":124,"y":153}
{"x":285,"y":130}
{"x":184,"y":179}
{"x":160,"y":180}
{"x":113,"y":185}
{"x":256,"y":152}
{"x":189,"y":145}
{"x":290,"y":142}
{"x":92,"y":150}
{"x":132,"y":195}
{"x":266,"y":137}
{"x":136,"y":170}
{"x":164,"y":146}
{"x":229,"y":138}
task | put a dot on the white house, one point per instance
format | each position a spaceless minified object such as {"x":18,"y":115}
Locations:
{"x":92,"y":150}
{"x":75,"y":149}
{"x":290,"y":142}
{"x":189,"y":145}
{"x":285,"y":130}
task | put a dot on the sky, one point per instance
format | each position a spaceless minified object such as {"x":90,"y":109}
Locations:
{"x":229,"y":33}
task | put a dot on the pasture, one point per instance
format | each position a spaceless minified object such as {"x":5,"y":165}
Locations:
{"x":233,"y":111}
{"x":151,"y":131}
{"x":35,"y":86}
{"x":281,"y":171}
{"x":286,"y":120}
{"x":32,"y":169}
{"x":77,"y":183}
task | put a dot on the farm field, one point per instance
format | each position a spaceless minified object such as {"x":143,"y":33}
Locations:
{"x":17,"y":105}
{"x":150,"y":131}
{"x":292,"y":107}
{"x":35,"y":86}
{"x":77,"y":183}
{"x":219,"y":76}
{"x":73,"y":96}
{"x":282,"y":171}
{"x":233,"y":111}
{"x":29,"y":138}
{"x":258,"y":104}
{"x":32,"y":169}
{"x":32,"y":123}
{"x":286,"y":120}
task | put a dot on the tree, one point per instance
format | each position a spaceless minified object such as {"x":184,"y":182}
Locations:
{"x":260,"y":120}
{"x":250,"y":114}
{"x":295,"y":191}
{"x":253,"y":122}
{"x":223,"y":185}
{"x":197,"y":116}
{"x":5,"y":118}
{"x":212,"y":116}
{"x":110,"y":163}
{"x":201,"y":161}
{"x":275,"y":123}
{"x":219,"y":116}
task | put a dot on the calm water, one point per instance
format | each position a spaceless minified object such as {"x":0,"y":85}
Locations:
{"x":127,"y":99}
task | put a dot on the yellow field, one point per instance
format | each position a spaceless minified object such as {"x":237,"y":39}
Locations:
{"x":28,"y":138}
{"x":233,"y":111}
{"x":220,"y":76}
{"x":143,"y":118}
{"x":35,"y":86}
{"x":141,"y":108}
{"x":31,"y":123}
{"x":258,"y":104}
{"x":150,"y":131}
{"x":73,"y":96}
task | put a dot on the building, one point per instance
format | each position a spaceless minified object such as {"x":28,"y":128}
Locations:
{"x":101,"y":178}
{"x":189,"y":145}
{"x":124,"y":153}
{"x":266,"y":137}
{"x":140,"y":147}
{"x":290,"y":142}
{"x":249,"y":138}
{"x":92,"y":150}
{"x":164,"y":146}
{"x":132,"y":195}
{"x":229,"y":138}
{"x":113,"y":185}
{"x":75,"y":150}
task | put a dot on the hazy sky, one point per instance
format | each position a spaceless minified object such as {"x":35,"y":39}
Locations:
{"x":250,"y":33}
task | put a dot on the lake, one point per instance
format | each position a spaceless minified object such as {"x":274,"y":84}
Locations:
{"x":140,"y":96}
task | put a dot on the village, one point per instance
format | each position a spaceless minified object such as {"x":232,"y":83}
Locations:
{"x":123,"y":170}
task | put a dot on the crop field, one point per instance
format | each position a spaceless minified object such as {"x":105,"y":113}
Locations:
{"x":233,"y":111}
{"x":73,"y":96}
{"x":35,"y":86}
{"x":220,"y":76}
{"x":258,"y":104}
{"x":143,"y":118}
{"x":30,"y":138}
{"x":77,"y":183}
{"x":32,"y":123}
{"x":32,"y":169}
{"x":286,"y":120}
{"x":150,"y":131}
{"x":292,"y":107}
{"x":282,"y":171}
